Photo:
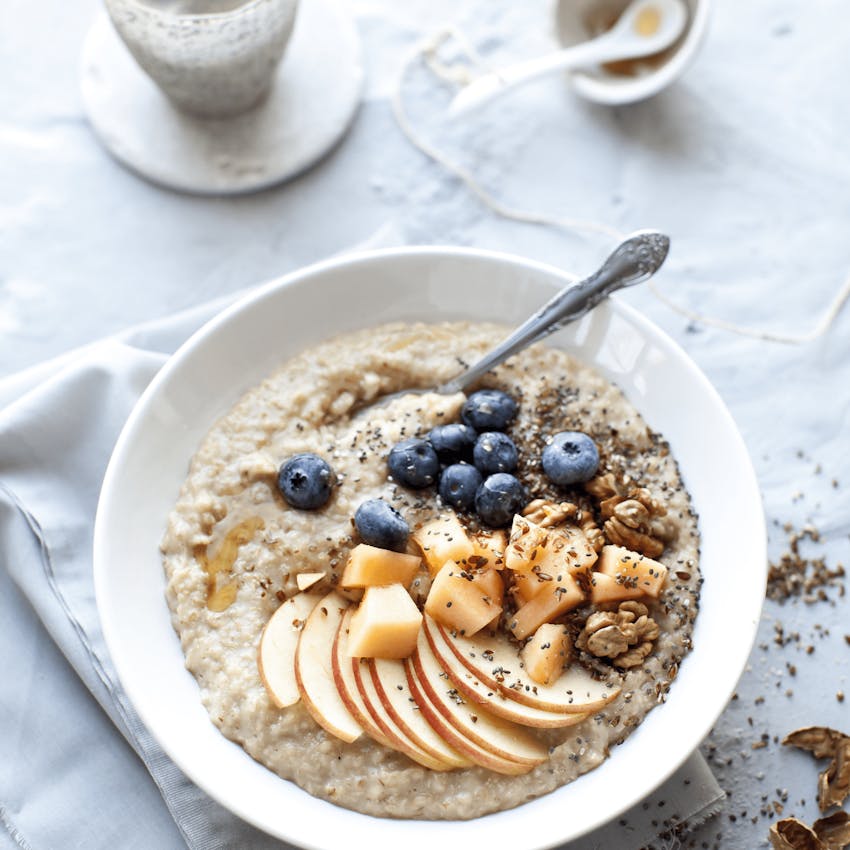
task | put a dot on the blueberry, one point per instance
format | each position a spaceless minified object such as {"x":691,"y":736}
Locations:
{"x":305,"y":481}
{"x":381,"y":525}
{"x":571,"y":457}
{"x":499,"y":498}
{"x":452,"y":442}
{"x":458,"y":485}
{"x":488,"y":410}
{"x":495,"y":452}
{"x":413,"y":463}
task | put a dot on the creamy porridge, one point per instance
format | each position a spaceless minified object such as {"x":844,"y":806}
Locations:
{"x":234,"y":551}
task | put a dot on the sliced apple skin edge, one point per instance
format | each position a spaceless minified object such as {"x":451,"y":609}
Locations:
{"x":312,"y":678}
{"x":347,"y":686}
{"x":499,"y":704}
{"x":501,"y":737}
{"x":386,"y":693}
{"x":277,"y":646}
{"x":398,"y":738}
{"x":522,"y":696}
{"x":477,"y":755}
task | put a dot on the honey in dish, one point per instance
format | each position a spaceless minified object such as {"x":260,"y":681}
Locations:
{"x":602,"y":18}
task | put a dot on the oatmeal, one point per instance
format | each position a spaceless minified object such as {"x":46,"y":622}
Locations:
{"x":235,"y":552}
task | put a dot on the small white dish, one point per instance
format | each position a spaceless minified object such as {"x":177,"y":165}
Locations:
{"x":244,"y":344}
{"x":579,"y":20}
{"x":310,"y":106}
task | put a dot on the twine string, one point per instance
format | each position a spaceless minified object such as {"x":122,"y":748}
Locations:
{"x":461,"y":72}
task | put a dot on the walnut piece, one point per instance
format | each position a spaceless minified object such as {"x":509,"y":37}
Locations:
{"x":792,"y":834}
{"x":624,"y":636}
{"x":822,"y":743}
{"x":622,"y":535}
{"x":832,"y":833}
{"x":603,"y":486}
{"x":591,"y":530}
{"x":633,"y":516}
{"x":546,"y":514}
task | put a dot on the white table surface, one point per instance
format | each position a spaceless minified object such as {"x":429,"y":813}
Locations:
{"x":744,"y":162}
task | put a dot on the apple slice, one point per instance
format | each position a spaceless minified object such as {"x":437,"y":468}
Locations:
{"x":488,"y":549}
{"x":276,"y":652}
{"x":547,"y":653}
{"x":491,"y":698}
{"x":504,"y":739}
{"x":532,"y":548}
{"x":496,"y":661}
{"x":307,"y":580}
{"x":393,"y":690}
{"x":477,"y":755}
{"x":399,"y":739}
{"x":465,"y":600}
{"x":385,"y":624}
{"x":347,"y":686}
{"x":557,"y":598}
{"x":370,"y":566}
{"x":443,"y":539}
{"x":314,"y":669}
{"x":632,"y":570}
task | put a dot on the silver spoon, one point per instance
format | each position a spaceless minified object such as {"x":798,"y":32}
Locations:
{"x":633,"y":261}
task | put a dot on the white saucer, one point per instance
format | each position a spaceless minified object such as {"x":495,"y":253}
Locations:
{"x":311,"y":105}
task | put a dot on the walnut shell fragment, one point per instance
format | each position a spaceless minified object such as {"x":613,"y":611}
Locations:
{"x":822,"y":743}
{"x":832,"y":833}
{"x":792,"y":834}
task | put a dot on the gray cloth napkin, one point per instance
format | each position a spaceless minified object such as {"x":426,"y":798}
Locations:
{"x":77,"y":767}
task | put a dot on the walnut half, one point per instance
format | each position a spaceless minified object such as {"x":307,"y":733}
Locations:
{"x":625,"y":636}
{"x":547,"y":514}
{"x":633,"y":516}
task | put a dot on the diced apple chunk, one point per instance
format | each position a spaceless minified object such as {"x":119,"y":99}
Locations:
{"x":547,"y":653}
{"x":488,"y":549}
{"x":307,"y":580}
{"x":385,"y":625}
{"x":604,"y":588}
{"x":464,"y":600}
{"x":528,"y":585}
{"x":557,"y":599}
{"x":550,"y":551}
{"x":632,"y":571}
{"x":491,"y":582}
{"x":369,"y":566}
{"x":443,"y":539}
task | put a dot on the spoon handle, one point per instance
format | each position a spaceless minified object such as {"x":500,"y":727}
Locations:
{"x":634,"y":260}
{"x":494,"y":83}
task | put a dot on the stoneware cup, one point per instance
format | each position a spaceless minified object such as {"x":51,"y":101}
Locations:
{"x":213,"y":59}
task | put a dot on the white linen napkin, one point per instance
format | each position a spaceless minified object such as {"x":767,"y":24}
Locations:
{"x":67,"y":776}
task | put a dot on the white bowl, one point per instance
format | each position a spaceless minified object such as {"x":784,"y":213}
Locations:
{"x":572,"y":26}
{"x":242,"y":345}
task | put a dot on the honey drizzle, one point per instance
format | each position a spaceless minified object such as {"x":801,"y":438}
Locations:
{"x":603,"y":19}
{"x":221,"y":588}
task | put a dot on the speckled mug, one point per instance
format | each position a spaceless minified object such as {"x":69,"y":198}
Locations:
{"x":214,"y":63}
